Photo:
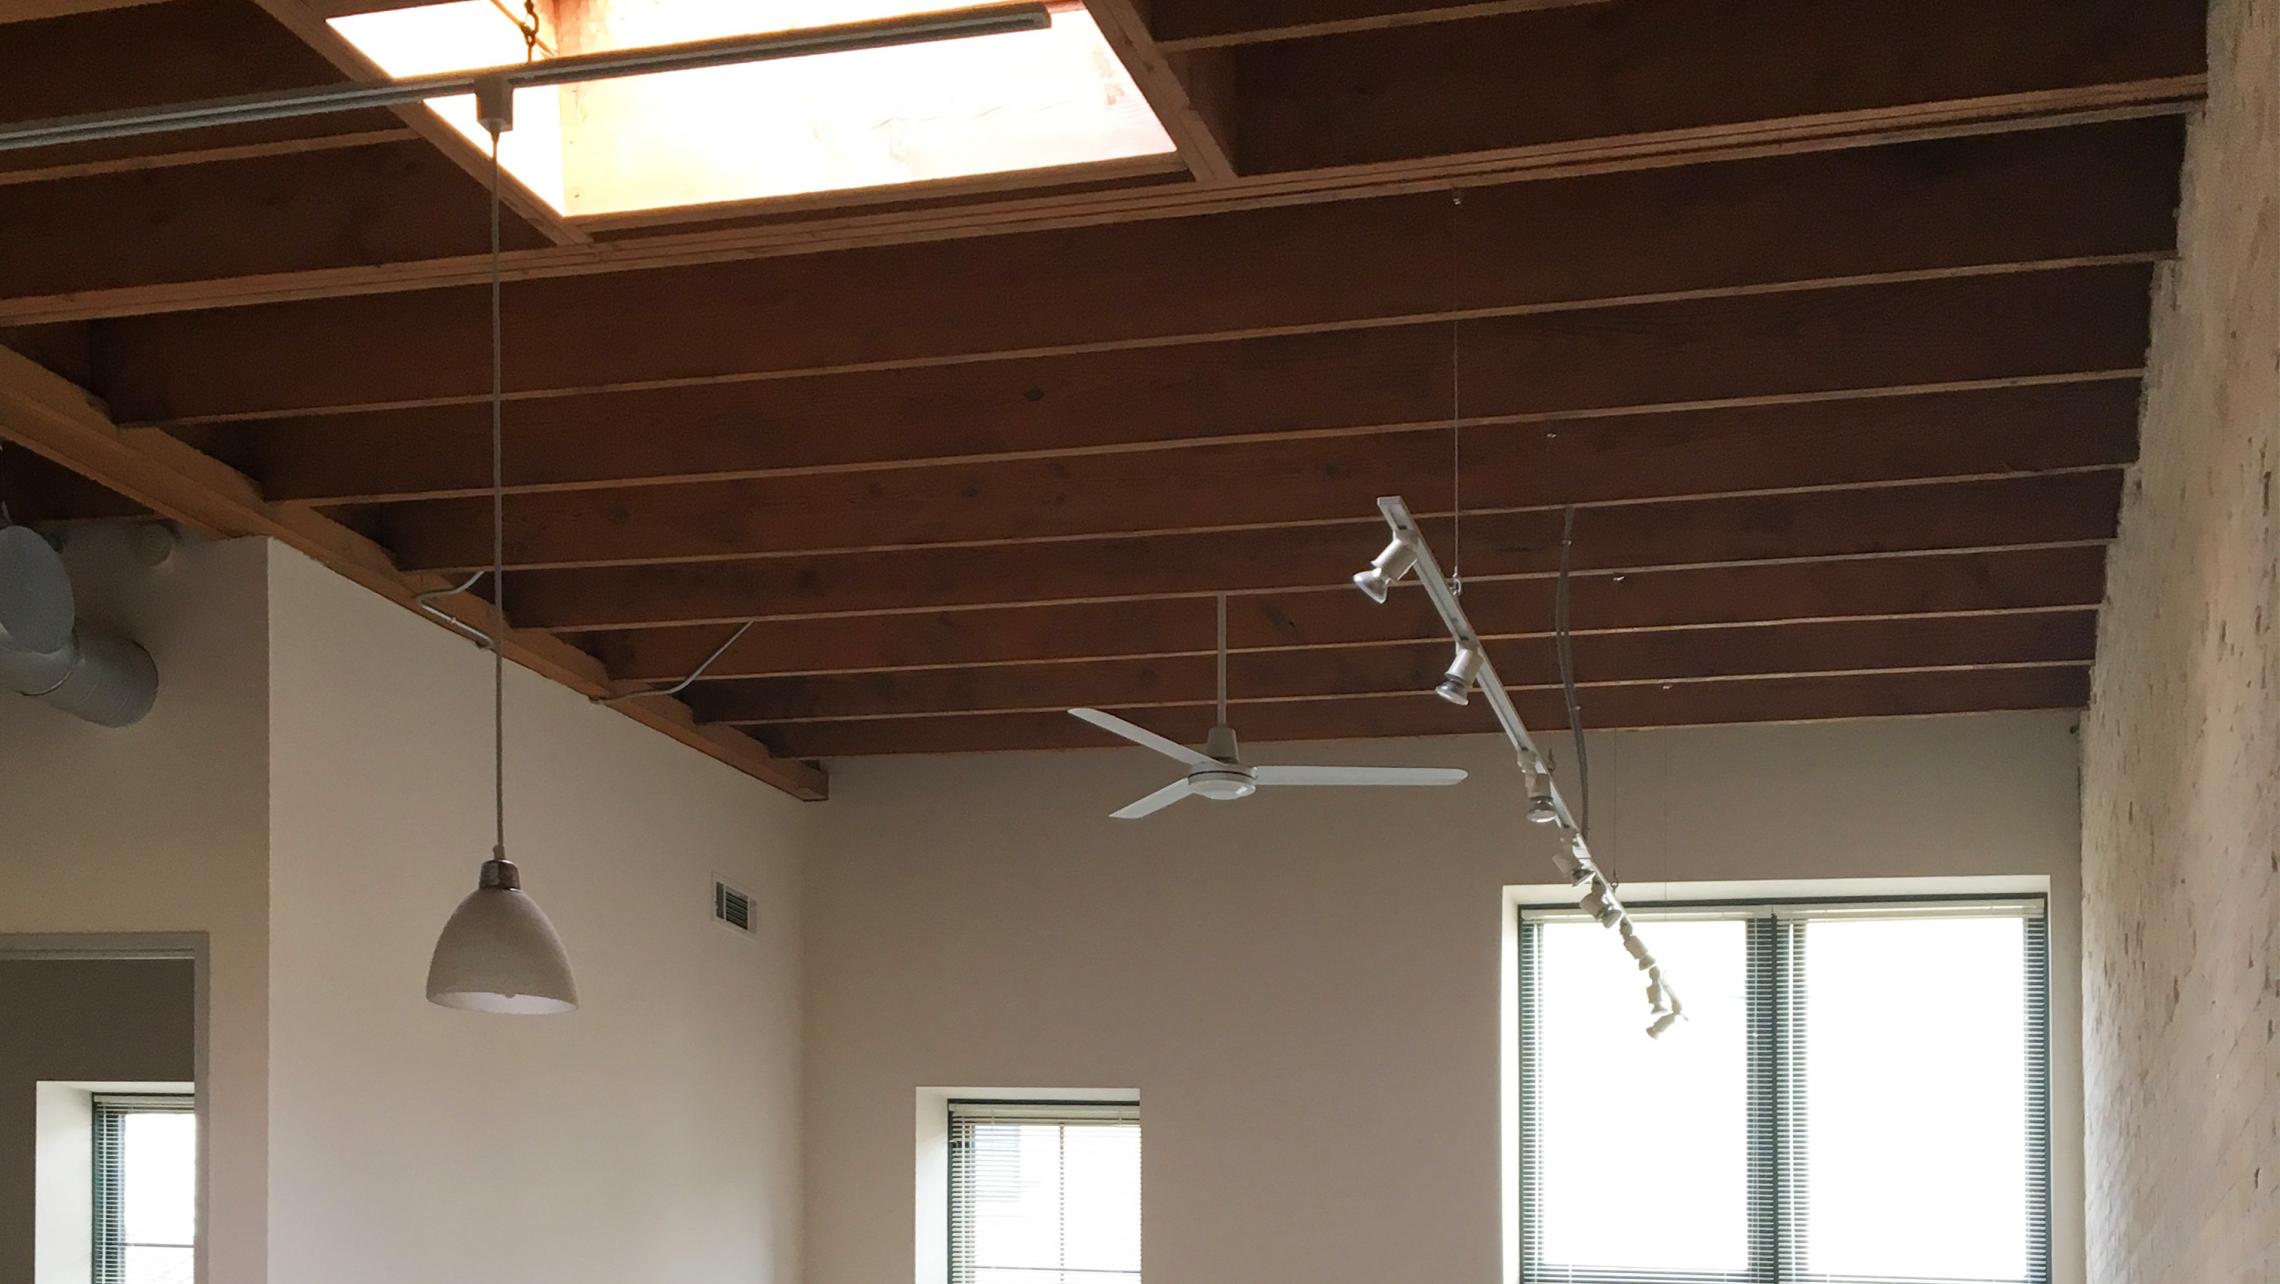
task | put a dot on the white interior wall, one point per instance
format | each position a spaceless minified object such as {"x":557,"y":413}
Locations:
{"x":162,"y":828}
{"x":653,"y":1134}
{"x":1305,"y":987}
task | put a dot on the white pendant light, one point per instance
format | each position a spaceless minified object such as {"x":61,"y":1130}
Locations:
{"x":498,"y":953}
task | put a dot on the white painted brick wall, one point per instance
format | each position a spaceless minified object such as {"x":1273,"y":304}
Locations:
{"x":2181,"y":770}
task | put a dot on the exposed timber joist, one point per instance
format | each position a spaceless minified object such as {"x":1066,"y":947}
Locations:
{"x":1897,"y":587}
{"x":1325,"y":388}
{"x":1244,"y":488}
{"x":2095,"y":194}
{"x":1192,"y":93}
{"x":1645,"y":704}
{"x":2057,"y":509}
{"x":1849,"y":85}
{"x":1188,"y":25}
{"x":1403,"y":670}
{"x":305,"y":21}
{"x":52,"y":418}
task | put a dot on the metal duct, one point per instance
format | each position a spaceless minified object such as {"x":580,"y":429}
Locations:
{"x":47,"y":654}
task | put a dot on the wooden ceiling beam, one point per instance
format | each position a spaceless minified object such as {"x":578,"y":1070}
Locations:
{"x":826,"y":429}
{"x":1648,"y":704}
{"x":306,"y":20}
{"x":1256,"y":485}
{"x":1410,"y":668}
{"x":1184,"y":26}
{"x":50,"y":417}
{"x":1828,"y":112}
{"x":110,"y":57}
{"x":1565,"y":75}
{"x":1898,"y":587}
{"x":2055,"y":509}
{"x":274,"y":212}
{"x":1192,"y":93}
{"x":1744,"y":227}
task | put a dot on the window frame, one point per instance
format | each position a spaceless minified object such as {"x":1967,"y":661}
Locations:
{"x":108,"y":1113}
{"x":1044,"y":1110}
{"x":1774,"y":1007}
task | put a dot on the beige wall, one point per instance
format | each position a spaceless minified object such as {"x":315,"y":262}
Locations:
{"x":107,"y":1020}
{"x":2181,"y":804}
{"x":652,"y":1135}
{"x":162,"y":828}
{"x":1305,"y":986}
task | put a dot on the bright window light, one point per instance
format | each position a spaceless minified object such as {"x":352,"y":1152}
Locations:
{"x":1643,"y":1144}
{"x":146,"y":1190}
{"x":1915,"y":1057}
{"x":1044,"y":1194}
{"x":1860,"y":1092}
{"x":872,"y":118}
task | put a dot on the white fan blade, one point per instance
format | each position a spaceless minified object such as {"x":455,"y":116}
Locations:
{"x":1145,"y":738}
{"x":1154,"y":802}
{"x":1357,"y":775}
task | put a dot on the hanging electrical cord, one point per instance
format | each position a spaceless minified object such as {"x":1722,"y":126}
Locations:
{"x":1456,"y":408}
{"x":1564,"y":639}
{"x":498,"y":522}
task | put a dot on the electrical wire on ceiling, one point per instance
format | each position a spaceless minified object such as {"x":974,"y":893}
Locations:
{"x":1563,"y":637}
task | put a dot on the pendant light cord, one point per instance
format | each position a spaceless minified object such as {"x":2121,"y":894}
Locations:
{"x":498,"y":536}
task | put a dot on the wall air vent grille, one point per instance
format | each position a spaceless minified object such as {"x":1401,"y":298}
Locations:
{"x":732,"y":907}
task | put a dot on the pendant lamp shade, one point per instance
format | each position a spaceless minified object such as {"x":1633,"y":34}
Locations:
{"x":499,"y":954}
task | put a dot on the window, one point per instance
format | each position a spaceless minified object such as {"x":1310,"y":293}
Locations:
{"x":1045,"y":1193}
{"x":861,"y":119}
{"x":1859,"y":1093}
{"x":146,"y":1183}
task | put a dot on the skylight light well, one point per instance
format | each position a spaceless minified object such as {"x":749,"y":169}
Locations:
{"x":833,"y":122}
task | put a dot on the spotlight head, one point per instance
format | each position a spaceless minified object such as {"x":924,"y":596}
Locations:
{"x":1662,"y":1024}
{"x":1594,"y":901}
{"x":1386,"y":568}
{"x":1541,"y":809}
{"x":1456,"y":686}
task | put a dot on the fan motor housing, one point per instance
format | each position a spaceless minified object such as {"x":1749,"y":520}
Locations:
{"x":1222,"y":784}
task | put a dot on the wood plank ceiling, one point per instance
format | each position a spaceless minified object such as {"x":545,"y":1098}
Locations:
{"x":1829,"y":319}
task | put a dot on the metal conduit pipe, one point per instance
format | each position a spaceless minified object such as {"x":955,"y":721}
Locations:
{"x":46,"y":653}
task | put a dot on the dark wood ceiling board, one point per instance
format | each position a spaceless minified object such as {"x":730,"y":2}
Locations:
{"x":1787,"y":699}
{"x":152,"y":54}
{"x":1337,"y":384}
{"x":1894,"y":587}
{"x":974,"y":410}
{"x":375,"y":204}
{"x":1260,"y":484}
{"x":1186,"y":25}
{"x":1959,"y":205}
{"x":1649,"y":66}
{"x":38,"y":491}
{"x":2060,"y":508}
{"x":1835,"y":646}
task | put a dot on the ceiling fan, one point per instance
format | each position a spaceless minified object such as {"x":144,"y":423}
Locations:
{"x":1218,"y":773}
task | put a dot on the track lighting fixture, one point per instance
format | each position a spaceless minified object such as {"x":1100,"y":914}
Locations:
{"x":1386,"y":570}
{"x":1456,"y":684}
{"x":1408,"y":552}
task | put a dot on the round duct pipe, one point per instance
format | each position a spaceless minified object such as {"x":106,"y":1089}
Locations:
{"x":47,"y":654}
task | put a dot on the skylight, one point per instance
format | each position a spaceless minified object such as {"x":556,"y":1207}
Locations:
{"x":874,"y":118}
